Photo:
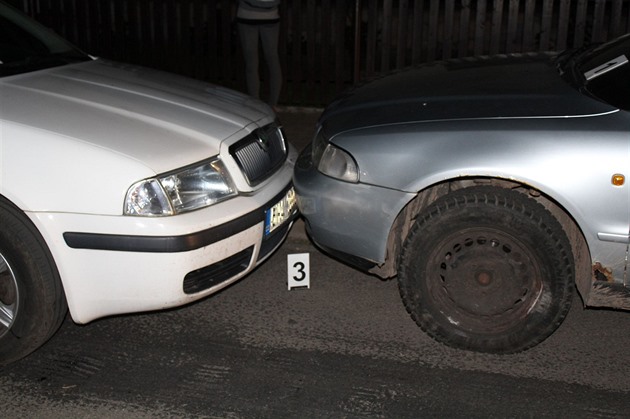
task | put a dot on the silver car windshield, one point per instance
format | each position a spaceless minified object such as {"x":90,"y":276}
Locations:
{"x":28,"y":46}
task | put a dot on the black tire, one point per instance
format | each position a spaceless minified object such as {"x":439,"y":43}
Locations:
{"x":32,"y":301}
{"x":487,"y":269}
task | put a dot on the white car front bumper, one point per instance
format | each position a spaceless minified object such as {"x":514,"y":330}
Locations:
{"x":115,"y":264}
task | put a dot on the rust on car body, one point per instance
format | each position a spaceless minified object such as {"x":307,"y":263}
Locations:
{"x":601,"y":273}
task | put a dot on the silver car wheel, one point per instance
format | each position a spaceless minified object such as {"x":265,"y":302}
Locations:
{"x":487,"y":269}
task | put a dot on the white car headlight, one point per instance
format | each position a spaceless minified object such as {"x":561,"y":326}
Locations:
{"x":333,"y":161}
{"x":182,"y":191}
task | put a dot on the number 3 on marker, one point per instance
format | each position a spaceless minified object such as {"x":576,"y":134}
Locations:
{"x":299,"y":268}
{"x":298,"y":272}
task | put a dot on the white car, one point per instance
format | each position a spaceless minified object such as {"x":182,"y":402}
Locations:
{"x":124,"y":189}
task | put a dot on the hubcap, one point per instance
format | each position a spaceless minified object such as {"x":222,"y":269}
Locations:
{"x":8,"y":296}
{"x":484,"y":280}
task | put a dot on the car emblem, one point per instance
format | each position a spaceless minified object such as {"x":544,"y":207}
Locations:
{"x":263,"y":141}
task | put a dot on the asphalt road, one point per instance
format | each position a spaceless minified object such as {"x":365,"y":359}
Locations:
{"x":345,"y":348}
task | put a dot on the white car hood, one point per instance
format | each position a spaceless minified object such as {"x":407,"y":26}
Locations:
{"x":75,"y":138}
{"x":131,"y":111}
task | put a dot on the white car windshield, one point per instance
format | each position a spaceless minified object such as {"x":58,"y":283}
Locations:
{"x":27,"y":46}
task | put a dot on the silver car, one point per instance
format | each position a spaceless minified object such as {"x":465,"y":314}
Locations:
{"x":488,"y":186}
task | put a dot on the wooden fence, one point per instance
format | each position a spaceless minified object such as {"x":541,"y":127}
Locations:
{"x":326,"y":45}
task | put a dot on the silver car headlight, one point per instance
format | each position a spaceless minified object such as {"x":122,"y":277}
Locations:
{"x":334,"y":161}
{"x":181,"y":191}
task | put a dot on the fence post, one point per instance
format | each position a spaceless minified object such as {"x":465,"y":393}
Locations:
{"x":357,"y":41}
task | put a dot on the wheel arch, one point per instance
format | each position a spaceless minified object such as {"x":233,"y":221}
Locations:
{"x":37,"y":305}
{"x":404,"y":221}
{"x":40,"y":237}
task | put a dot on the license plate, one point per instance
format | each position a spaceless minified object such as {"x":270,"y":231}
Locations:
{"x":280,"y":212}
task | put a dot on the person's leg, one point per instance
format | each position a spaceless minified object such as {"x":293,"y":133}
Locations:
{"x":249,"y":44}
{"x":269,"y":35}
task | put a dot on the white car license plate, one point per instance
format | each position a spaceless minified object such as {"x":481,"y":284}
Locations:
{"x":280,"y":212}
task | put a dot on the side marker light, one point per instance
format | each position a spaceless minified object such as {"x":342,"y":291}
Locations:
{"x":618,"y":179}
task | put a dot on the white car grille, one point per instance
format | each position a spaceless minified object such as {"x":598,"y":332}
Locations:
{"x":260,"y":154}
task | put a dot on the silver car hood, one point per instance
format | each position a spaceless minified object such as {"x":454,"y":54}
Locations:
{"x":131,"y":111}
{"x":514,"y":86}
